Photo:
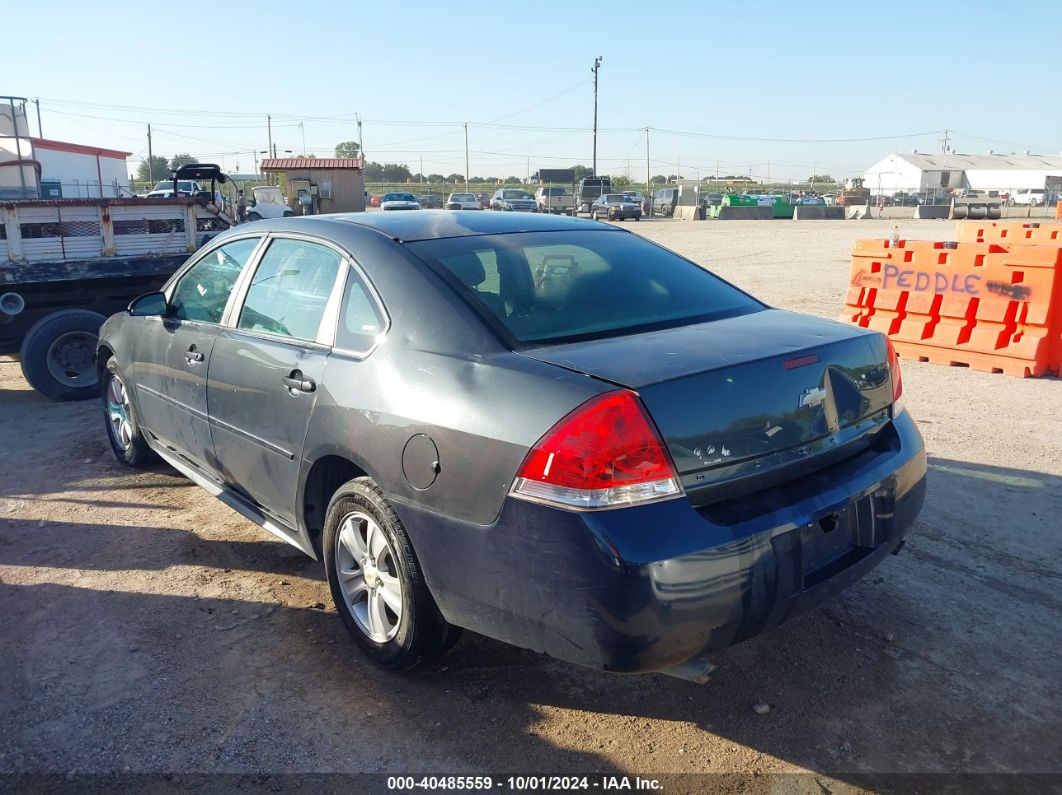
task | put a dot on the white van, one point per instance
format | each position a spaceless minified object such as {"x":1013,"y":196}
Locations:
{"x":1032,"y":196}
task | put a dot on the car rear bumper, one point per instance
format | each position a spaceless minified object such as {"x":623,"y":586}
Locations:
{"x":651,"y":588}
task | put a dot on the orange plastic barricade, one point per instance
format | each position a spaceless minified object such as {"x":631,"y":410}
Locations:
{"x":1058,"y":211}
{"x":1009,"y":233}
{"x":980,"y":305}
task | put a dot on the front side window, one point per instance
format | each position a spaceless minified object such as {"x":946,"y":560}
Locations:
{"x":290,"y":289}
{"x":203,"y":291}
{"x":550,"y":287}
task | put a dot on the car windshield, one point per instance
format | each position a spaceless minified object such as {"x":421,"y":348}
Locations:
{"x":548,"y":287}
{"x":616,"y":198}
{"x":399,"y":197}
{"x":515,"y":194}
{"x":462,"y":197}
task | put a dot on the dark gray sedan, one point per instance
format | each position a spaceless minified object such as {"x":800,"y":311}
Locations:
{"x":615,"y":207}
{"x":546,"y":430}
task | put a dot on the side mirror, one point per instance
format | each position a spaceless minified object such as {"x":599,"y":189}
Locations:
{"x":149,"y":305}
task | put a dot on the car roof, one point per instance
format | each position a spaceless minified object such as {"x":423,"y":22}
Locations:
{"x":431,"y":224}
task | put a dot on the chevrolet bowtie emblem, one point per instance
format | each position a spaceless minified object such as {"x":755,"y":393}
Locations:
{"x":813,"y":396}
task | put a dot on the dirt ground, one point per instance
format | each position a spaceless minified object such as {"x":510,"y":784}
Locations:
{"x":147,"y":628}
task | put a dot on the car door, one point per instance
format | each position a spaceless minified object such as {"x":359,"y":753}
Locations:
{"x":266,"y":367}
{"x":174,"y":352}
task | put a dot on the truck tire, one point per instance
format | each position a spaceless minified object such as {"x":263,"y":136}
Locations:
{"x":58,"y":354}
{"x":254,"y":217}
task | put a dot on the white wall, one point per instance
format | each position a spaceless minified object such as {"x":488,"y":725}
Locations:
{"x":1007,"y":180}
{"x":891,"y":175}
{"x":79,"y":174}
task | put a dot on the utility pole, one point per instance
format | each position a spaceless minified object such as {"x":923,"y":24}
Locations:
{"x":422,"y":169}
{"x":597,"y":65}
{"x":270,"y":150}
{"x":466,"y":157}
{"x":151,"y":162}
{"x":648,"y":185}
{"x":40,"y":132}
{"x":302,"y":128}
{"x":945,"y":141}
{"x":361,"y":147}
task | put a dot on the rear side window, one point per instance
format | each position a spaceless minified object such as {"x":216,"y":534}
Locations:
{"x":203,"y":291}
{"x":549,"y":287}
{"x":290,"y":289}
{"x":360,"y":320}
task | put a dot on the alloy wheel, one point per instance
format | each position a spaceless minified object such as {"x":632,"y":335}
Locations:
{"x":369,"y":576}
{"x":118,"y":414}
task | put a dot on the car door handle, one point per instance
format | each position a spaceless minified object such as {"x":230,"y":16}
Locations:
{"x":296,"y":382}
{"x":192,"y":356}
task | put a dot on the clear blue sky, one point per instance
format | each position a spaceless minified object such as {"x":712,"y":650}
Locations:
{"x":708,"y":77}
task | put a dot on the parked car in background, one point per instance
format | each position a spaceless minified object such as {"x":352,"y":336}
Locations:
{"x":589,"y":190}
{"x":711,"y":199}
{"x":811,"y":201}
{"x":375,"y":200}
{"x":430,"y":201}
{"x":164,"y":189}
{"x":664,"y":201}
{"x":615,"y":207}
{"x":695,"y":465}
{"x":462,"y":201}
{"x":635,"y":196}
{"x":830,"y":199}
{"x":484,"y":200}
{"x":555,"y":199}
{"x":904,"y":199}
{"x":933,"y":197}
{"x":399,"y":201}
{"x":1028,"y":196}
{"x":513,"y":200}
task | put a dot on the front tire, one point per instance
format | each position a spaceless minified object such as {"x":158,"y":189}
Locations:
{"x":123,"y":433}
{"x":376,"y":581}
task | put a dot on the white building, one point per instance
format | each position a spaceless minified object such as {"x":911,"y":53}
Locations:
{"x":82,"y":172}
{"x":946,"y":171}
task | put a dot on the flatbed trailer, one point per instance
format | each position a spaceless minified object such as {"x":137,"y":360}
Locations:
{"x":66,"y":264}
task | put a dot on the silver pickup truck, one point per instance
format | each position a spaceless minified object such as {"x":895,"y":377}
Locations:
{"x":555,"y":200}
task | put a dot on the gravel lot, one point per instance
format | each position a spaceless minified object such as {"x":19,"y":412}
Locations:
{"x":148,"y":628}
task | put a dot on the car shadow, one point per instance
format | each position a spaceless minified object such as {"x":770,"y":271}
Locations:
{"x":900,"y":673}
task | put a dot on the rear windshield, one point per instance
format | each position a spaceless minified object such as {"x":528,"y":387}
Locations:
{"x":554,"y":192}
{"x":547,"y":287}
{"x":462,"y":197}
{"x":515,"y":194}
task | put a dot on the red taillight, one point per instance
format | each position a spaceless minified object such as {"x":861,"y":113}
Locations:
{"x":897,"y":379}
{"x":604,"y":454}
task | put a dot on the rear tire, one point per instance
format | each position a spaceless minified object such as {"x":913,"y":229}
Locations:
{"x":254,"y":217}
{"x":376,"y":581}
{"x":58,"y":354}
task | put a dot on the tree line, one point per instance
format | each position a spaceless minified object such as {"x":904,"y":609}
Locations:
{"x":159,"y":168}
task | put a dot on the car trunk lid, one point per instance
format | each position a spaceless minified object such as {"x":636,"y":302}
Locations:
{"x":748,"y":401}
